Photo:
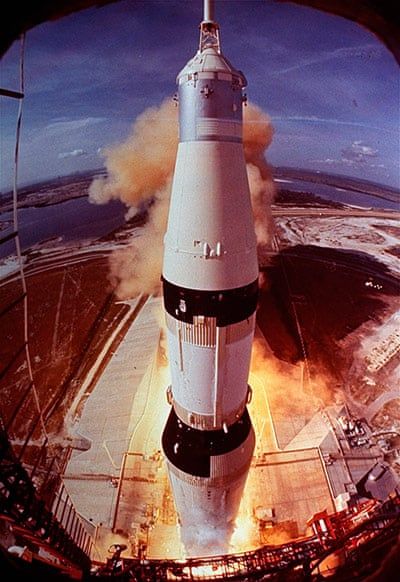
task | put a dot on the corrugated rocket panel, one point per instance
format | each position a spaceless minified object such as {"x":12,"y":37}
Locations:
{"x":207,"y":421}
{"x":238,"y":331}
{"x":219,"y":481}
{"x":203,"y":330}
{"x":201,"y":333}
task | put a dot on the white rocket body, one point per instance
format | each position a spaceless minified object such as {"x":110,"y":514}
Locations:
{"x":210,"y":274}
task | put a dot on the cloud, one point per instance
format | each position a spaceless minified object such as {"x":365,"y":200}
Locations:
{"x":73,"y":154}
{"x":358,"y":155}
{"x":313,"y":119}
{"x":366,"y":51}
{"x":62,"y":126}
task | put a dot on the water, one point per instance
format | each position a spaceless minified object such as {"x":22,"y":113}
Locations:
{"x":75,"y":219}
{"x":337,"y":194}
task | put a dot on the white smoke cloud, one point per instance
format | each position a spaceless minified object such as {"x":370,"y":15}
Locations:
{"x":62,"y":126}
{"x":72,"y":154}
{"x":212,"y":540}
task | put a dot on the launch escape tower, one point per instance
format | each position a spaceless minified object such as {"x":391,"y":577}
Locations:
{"x":210,"y":275}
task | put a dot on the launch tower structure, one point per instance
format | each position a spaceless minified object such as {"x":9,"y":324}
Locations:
{"x":210,"y":288}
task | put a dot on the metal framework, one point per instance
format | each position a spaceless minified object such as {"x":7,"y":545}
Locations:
{"x":20,"y":501}
{"x":29,"y":483}
{"x":24,"y":348}
{"x":299,"y":560}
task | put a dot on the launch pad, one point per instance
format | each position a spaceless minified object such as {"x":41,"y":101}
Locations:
{"x":125,"y":402}
{"x":121,"y":487}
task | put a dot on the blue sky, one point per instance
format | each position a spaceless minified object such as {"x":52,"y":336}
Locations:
{"x":331,"y":88}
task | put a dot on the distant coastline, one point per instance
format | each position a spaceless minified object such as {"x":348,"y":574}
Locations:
{"x":339,"y":181}
{"x":59,"y":190}
{"x":51,"y":192}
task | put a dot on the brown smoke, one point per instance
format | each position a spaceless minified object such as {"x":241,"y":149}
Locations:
{"x":137,"y":268}
{"x":143,"y":164}
{"x":257,"y":137}
{"x":139,"y":171}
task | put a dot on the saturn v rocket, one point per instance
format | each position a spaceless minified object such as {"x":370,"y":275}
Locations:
{"x":210,"y":289}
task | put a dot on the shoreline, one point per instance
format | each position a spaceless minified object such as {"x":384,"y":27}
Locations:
{"x":52,"y":193}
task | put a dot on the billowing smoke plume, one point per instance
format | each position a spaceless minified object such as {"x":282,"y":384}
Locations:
{"x":137,"y":268}
{"x":257,"y":137}
{"x":140,"y":173}
{"x":288,"y":393}
{"x":142,"y":165}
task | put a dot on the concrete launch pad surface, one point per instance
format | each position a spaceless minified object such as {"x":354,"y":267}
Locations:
{"x":108,"y":420}
{"x":293,"y":486}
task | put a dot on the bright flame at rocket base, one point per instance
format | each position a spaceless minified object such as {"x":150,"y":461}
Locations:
{"x":210,"y":274}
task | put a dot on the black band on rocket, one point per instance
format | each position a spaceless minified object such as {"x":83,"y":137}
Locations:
{"x":190,"y":449}
{"x":227,"y":306}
